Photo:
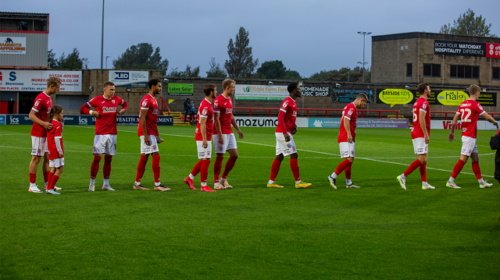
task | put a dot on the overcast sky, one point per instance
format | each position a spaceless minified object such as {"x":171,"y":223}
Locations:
{"x":308,"y":36}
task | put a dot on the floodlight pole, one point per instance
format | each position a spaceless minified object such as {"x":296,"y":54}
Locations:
{"x":362,"y":33}
{"x":102,"y":36}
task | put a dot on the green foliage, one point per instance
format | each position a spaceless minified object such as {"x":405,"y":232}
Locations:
{"x":272,"y":69}
{"x":292,"y":75}
{"x":468,"y":24}
{"x":240,"y":63}
{"x":192,"y":73}
{"x":215,"y":70}
{"x":141,"y":56}
{"x":72,"y":61}
{"x":343,"y":75}
{"x":250,"y":232}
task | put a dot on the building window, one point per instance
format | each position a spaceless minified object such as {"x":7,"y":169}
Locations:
{"x":496,"y":73}
{"x":432,"y":70}
{"x":409,"y":70}
{"x":464,"y":72}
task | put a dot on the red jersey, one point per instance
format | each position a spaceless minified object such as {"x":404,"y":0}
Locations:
{"x":42,"y":107}
{"x":149,"y":103}
{"x":205,"y":111}
{"x":421,"y":105}
{"x":350,"y":112}
{"x":224,"y":106}
{"x":107,"y":108}
{"x":289,"y":107}
{"x":470,"y":111}
{"x":55,"y":134}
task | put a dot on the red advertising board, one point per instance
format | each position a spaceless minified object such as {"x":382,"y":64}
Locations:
{"x":493,"y":50}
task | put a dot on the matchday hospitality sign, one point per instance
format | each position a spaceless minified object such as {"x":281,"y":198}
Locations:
{"x":467,"y":49}
{"x":36,"y":80}
{"x":261,"y":92}
{"x":129,"y":78}
{"x":180,"y":89}
{"x":12,"y":45}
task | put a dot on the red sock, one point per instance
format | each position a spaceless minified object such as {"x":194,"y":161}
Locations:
{"x":46,"y":177}
{"x":343,"y":165}
{"x":458,"y":167}
{"x":423,"y":172}
{"x":229,"y":166}
{"x":156,"y":168}
{"x":204,"y":170}
{"x":275,"y":168}
{"x":33,"y":178}
{"x":347,"y":172}
{"x":50,"y":177}
{"x":106,"y":170}
{"x":141,"y":167}
{"x":477,"y":170}
{"x":94,"y":167}
{"x":196,"y":168}
{"x":414,"y":165}
{"x":295,"y":169}
{"x":53,"y":182}
{"x":217,"y":168}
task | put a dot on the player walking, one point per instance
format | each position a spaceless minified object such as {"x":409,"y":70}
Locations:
{"x":148,"y":133}
{"x":469,"y":111}
{"x":56,"y":148}
{"x":106,"y":108}
{"x":38,"y":114}
{"x":203,"y":138}
{"x":224,"y":140}
{"x":284,"y":140}
{"x":420,"y":136}
{"x":347,"y":135}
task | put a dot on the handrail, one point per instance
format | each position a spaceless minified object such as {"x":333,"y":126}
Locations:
{"x":454,"y":112}
{"x":164,"y":103}
{"x":314,"y":109}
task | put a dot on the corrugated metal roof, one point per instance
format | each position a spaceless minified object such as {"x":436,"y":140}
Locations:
{"x":2,"y":12}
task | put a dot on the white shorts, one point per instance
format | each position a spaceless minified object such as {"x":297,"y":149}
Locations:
{"x":346,"y":149}
{"x":153,"y":148}
{"x":105,"y":144}
{"x":419,"y":146}
{"x":283,"y":147}
{"x":58,"y":162}
{"x":39,"y":146}
{"x":469,"y":146}
{"x":202,"y":152}
{"x":229,"y":143}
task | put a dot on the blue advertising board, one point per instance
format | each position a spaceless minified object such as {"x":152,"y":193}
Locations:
{"x":3,"y":119}
{"x":84,"y":120}
{"x":361,"y":123}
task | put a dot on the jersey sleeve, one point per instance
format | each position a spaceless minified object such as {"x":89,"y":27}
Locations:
{"x":216,"y":106}
{"x":38,"y":105}
{"x":123,"y":103}
{"x":145,"y":104}
{"x":284,"y":106}
{"x":479,"y":109}
{"x":348,"y":112}
{"x":93,"y":102}
{"x":204,"y":112}
{"x":58,"y":132}
{"x":424,"y":107}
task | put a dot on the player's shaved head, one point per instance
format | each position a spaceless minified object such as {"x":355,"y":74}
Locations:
{"x":473,"y":89}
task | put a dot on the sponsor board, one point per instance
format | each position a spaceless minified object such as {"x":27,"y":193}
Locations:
{"x":266,"y":121}
{"x":315,"y":91}
{"x":459,"y":48}
{"x":360,"y":123}
{"x":493,"y":50}
{"x":87,"y":120}
{"x":440,"y":124}
{"x":349,"y":95}
{"x":395,"y":96}
{"x":180,"y":89}
{"x":12,"y":45}
{"x":129,"y":78}
{"x":36,"y":80}
{"x":261,"y":92}
{"x":452,"y":97}
{"x":3,"y":119}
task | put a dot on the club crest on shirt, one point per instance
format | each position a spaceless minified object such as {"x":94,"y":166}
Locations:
{"x":113,"y":101}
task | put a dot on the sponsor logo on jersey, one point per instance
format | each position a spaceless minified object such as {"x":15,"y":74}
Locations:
{"x":229,"y":110}
{"x":109,"y":109}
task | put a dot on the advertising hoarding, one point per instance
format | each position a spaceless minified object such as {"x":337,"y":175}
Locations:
{"x":129,"y":78}
{"x":36,"y":80}
{"x":261,"y":92}
{"x":12,"y":45}
{"x":180,"y":89}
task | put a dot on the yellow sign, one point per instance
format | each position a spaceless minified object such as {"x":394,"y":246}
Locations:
{"x":452,"y":97}
{"x":395,"y":96}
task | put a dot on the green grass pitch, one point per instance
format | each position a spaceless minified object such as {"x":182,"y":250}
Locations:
{"x":250,"y":232}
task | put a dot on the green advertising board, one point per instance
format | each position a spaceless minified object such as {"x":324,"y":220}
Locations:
{"x":180,"y":89}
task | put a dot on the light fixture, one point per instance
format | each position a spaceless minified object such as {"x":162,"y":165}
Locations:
{"x":337,"y":85}
{"x":270,"y":83}
{"x":91,"y":88}
{"x":407,"y":87}
{"x":165,"y":80}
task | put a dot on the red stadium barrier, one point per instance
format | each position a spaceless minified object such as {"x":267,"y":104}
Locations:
{"x":396,"y":112}
{"x":453,"y":114}
{"x":163,"y":103}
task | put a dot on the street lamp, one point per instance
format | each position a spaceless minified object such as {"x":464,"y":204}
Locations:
{"x":107,"y":61}
{"x":362,"y":33}
{"x":102,"y":35}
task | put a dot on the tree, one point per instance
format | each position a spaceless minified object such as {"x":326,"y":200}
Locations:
{"x":292,"y":75}
{"x":72,"y":61}
{"x":272,"y":69}
{"x":343,"y":75}
{"x":141,"y":56}
{"x":240,"y":63}
{"x":468,"y":24}
{"x":194,"y":73}
{"x":215,"y":70}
